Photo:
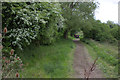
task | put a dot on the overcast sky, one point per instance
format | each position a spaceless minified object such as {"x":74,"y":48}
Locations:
{"x":108,"y":10}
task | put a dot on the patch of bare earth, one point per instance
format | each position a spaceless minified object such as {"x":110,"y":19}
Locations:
{"x":81,"y":60}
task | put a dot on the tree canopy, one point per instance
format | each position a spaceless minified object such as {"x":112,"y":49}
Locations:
{"x":45,"y":22}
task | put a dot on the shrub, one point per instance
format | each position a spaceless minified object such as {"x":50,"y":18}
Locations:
{"x":29,"y":22}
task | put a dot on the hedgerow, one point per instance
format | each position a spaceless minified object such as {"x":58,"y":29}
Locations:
{"x":31,"y":21}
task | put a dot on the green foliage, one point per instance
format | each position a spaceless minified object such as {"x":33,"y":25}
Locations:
{"x":100,"y":31}
{"x":32,"y":21}
{"x":75,"y":14}
{"x":115,"y":32}
{"x":86,"y":28}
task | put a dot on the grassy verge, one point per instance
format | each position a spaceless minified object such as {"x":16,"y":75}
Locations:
{"x":53,"y":61}
{"x":108,"y":57}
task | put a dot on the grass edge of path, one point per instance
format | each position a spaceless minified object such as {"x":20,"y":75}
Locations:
{"x":95,"y":48}
{"x":54,"y":61}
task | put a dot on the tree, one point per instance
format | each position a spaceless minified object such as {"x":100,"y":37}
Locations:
{"x":75,"y":14}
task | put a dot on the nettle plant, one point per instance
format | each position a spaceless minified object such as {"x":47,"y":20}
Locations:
{"x":11,"y":63}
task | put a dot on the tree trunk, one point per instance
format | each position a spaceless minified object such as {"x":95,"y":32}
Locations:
{"x":66,"y":34}
{"x":71,"y":34}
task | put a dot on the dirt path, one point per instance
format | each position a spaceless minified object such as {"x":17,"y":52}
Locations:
{"x":81,"y":60}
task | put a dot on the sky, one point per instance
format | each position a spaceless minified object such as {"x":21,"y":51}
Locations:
{"x":107,"y":10}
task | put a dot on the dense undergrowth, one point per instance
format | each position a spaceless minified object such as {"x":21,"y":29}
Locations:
{"x":53,"y":61}
{"x":108,"y":57}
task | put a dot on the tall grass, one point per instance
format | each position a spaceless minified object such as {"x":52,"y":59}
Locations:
{"x":53,"y":61}
{"x":108,"y":57}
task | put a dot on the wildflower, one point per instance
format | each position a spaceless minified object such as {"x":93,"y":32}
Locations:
{"x":17,"y":75}
{"x":18,"y":58}
{"x":12,"y":52}
{"x":5,"y":30}
{"x":3,"y":58}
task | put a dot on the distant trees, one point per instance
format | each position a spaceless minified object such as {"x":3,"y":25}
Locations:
{"x":76,"y":15}
{"x":102,"y":31}
{"x":80,"y":16}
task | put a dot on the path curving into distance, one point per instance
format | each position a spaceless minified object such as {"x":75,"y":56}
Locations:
{"x":81,"y":60}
